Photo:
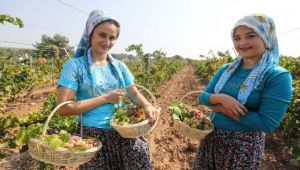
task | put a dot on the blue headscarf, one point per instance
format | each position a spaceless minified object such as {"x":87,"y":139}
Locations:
{"x":83,"y":49}
{"x":265,"y":28}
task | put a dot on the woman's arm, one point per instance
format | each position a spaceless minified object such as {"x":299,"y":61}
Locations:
{"x":275,"y":99}
{"x":141,"y":101}
{"x":221,"y":109}
{"x":221,"y":102}
{"x":230,"y":105}
{"x":79,"y":107}
{"x":137,"y":97}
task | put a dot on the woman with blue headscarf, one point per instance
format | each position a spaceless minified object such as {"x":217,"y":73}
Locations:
{"x":96,"y":80}
{"x":249,"y":98}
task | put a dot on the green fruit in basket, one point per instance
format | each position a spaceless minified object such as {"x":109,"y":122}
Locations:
{"x":187,"y":121}
{"x":54,"y":141}
{"x":120,"y":111}
{"x":183,"y":106}
{"x":122,"y":120}
{"x":195,"y":121}
{"x":64,"y":136}
{"x":175,"y":110}
{"x":194,"y":125}
{"x":63,"y":132}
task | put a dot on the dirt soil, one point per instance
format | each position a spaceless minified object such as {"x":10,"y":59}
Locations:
{"x":168,"y":149}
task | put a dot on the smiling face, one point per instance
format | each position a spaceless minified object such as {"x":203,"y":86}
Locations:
{"x":248,"y":43}
{"x":103,"y":38}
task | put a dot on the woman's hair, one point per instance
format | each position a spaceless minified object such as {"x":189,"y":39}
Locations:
{"x":111,"y":21}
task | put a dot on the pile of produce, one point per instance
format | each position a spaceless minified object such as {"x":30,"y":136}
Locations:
{"x":190,"y":116}
{"x":56,"y":138}
{"x":129,"y":114}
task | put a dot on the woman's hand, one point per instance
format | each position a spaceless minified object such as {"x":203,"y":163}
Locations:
{"x":231,"y":105}
{"x":220,"y":108}
{"x":152,"y":112}
{"x":141,"y":101}
{"x":115,"y":96}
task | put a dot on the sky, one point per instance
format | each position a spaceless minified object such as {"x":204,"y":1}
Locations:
{"x":188,"y":28}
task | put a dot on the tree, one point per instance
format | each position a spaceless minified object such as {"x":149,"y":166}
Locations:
{"x":16,"y":21}
{"x":45,"y":47}
{"x":177,"y":57}
{"x":225,"y":55}
{"x":137,"y":48}
{"x":158,"y":54}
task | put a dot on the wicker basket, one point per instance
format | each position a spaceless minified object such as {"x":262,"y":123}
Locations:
{"x":61,"y":156}
{"x":138,"y":129}
{"x":186,"y":130}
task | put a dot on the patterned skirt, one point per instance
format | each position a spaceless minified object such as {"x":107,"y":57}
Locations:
{"x":117,"y":152}
{"x":224,"y":149}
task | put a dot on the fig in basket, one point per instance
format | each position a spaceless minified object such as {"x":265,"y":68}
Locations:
{"x":53,"y":131}
{"x":129,"y":114}
{"x":190,"y":116}
{"x":79,"y":143}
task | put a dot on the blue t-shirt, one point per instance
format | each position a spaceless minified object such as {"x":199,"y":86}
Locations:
{"x":266,"y":104}
{"x":76,"y":77}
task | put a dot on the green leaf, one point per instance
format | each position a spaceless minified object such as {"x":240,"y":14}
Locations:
{"x":54,"y":141}
{"x":22,"y":136}
{"x":8,"y":88}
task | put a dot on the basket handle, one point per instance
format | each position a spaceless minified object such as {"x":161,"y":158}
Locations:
{"x":52,"y":113}
{"x":192,"y":92}
{"x":145,"y":89}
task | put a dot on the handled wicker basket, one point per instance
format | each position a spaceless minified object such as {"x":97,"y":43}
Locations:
{"x":138,"y":129}
{"x":188,"y":131}
{"x":61,"y":156}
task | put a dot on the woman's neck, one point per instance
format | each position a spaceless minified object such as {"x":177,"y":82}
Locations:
{"x":99,"y":59}
{"x":250,"y":63}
